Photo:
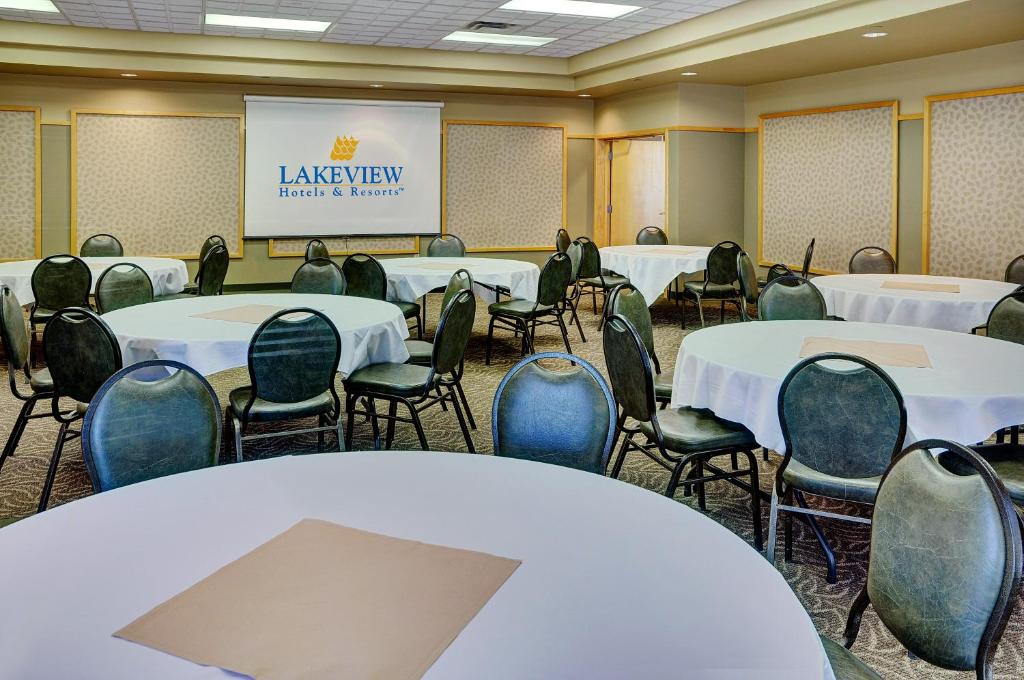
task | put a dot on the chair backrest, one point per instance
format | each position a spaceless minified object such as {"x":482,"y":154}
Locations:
{"x":628,"y":302}
{"x":213,"y":270}
{"x":461,"y":280}
{"x":629,"y":369}
{"x":842,"y":421}
{"x":562,"y":241}
{"x":560,"y":417}
{"x":590,"y":259}
{"x":316,"y":249}
{"x":1015,"y":271}
{"x":61,"y":281}
{"x":446,"y":245}
{"x":319,"y":275}
{"x":365,"y":277}
{"x":945,"y":561}
{"x":1006,"y":320}
{"x":776,"y":271}
{"x":210,"y":242}
{"x":575,"y":253}
{"x":872,"y":260}
{"x":17,"y":344}
{"x":293,"y":356}
{"x":747,"y":276}
{"x":721,"y":265}
{"x":122,"y":285}
{"x":101,"y":245}
{"x":138,"y":429}
{"x":453,"y":331}
{"x":81,"y":353}
{"x":554,"y":279}
{"x":651,"y":236}
{"x":808,"y":254}
{"x":791,"y":298}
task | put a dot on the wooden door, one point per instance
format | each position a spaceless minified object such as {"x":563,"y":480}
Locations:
{"x":637,"y":177}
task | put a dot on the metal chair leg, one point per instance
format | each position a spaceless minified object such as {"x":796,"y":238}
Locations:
{"x":755,"y":499}
{"x":490,"y":339}
{"x":51,"y":472}
{"x":390,"y":436}
{"x":350,"y":403}
{"x":565,"y":333}
{"x":18,"y":429}
{"x":773,"y":525}
{"x":826,"y":547}
{"x":462,"y":420}
{"x":620,"y":459}
{"x":237,"y":425}
{"x":465,"y":405}
{"x":419,"y":426}
{"x":320,"y":423}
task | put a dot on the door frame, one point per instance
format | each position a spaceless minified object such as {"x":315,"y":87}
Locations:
{"x":602,"y":179}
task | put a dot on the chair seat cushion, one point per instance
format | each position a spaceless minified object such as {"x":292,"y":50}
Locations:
{"x":856,"y":489}
{"x":263,"y":410}
{"x":663,"y":386}
{"x":410,"y":310}
{"x":1006,"y":459}
{"x":714,"y":290}
{"x":41,"y":381}
{"x":523,"y":309}
{"x":691,"y":430}
{"x":400,"y":380}
{"x":605,"y":281}
{"x":845,"y":664}
{"x":420,"y":351}
{"x":191,"y":288}
{"x":41,"y":314}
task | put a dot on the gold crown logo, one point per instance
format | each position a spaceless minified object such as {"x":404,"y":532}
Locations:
{"x":344,"y":148}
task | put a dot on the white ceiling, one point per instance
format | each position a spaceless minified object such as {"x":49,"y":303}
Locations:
{"x":392,"y":23}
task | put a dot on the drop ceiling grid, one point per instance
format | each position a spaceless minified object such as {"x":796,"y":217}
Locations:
{"x":394,"y":23}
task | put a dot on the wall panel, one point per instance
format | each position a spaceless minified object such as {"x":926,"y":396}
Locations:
{"x":20,"y":168}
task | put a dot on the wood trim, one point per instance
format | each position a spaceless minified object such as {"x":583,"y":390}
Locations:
{"x":578,"y":136}
{"x":64,"y":123}
{"x":910,"y":116}
{"x":38,"y":175}
{"x":339,"y":253}
{"x":1015,"y":89}
{"x":512,"y":249}
{"x":701,"y":128}
{"x":831,"y":109}
{"x":633,"y":133}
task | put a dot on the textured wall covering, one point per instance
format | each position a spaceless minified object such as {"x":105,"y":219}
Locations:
{"x":19,"y":198}
{"x":827,"y":175}
{"x":504,"y":185}
{"x":162,"y":184}
{"x":295,"y":247}
{"x":975,"y":178}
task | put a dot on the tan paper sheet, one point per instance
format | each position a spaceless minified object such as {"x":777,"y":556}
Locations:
{"x":898,"y":354}
{"x":254,"y":314}
{"x":927,"y":287}
{"x":326,"y":601}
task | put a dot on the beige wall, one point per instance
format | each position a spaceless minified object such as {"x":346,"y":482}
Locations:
{"x":668,"y":105}
{"x":706,"y":187}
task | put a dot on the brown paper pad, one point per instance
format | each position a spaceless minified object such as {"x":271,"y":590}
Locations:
{"x":255,"y":314}
{"x":928,"y":287}
{"x":326,"y":601}
{"x":899,"y":354}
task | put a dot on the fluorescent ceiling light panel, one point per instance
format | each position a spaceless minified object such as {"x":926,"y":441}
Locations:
{"x":264,"y":22}
{"x":604,"y":10}
{"x":496,"y":38}
{"x":29,"y":5}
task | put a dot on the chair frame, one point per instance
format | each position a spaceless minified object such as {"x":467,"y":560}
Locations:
{"x":103,"y":274}
{"x":744,"y":297}
{"x":573,"y":297}
{"x":200,"y":275}
{"x":213,"y":240}
{"x":808,"y":254}
{"x":736,"y":299}
{"x":888,"y":256}
{"x":116,"y":240}
{"x":320,"y":262}
{"x":652,"y":355}
{"x":35,"y":296}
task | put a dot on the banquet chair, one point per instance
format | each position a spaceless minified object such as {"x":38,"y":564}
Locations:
{"x":319,"y":275}
{"x":629,"y":303}
{"x":719,"y":276}
{"x":414,"y":386}
{"x":776,"y":271}
{"x":651,"y":236}
{"x":572,"y":298}
{"x":139,"y":428}
{"x":593,"y":279}
{"x":81,"y":353}
{"x":872,"y":260}
{"x":213,"y":269}
{"x":523,"y":316}
{"x":676,"y":438}
{"x":750,"y":288}
{"x":58,"y":281}
{"x":293,"y":358}
{"x":562,"y":241}
{"x":1006,"y":320}
{"x":805,"y":271}
{"x":944,"y":565}
{"x":1015,"y":271}
{"x":316,"y":249}
{"x":209,"y":243}
{"x":365,"y":278}
{"x":101,"y":245}
{"x":446,"y":245}
{"x":17,"y":346}
{"x":521,"y":422}
{"x":790,"y":298}
{"x":122,"y":285}
{"x":842,"y":427}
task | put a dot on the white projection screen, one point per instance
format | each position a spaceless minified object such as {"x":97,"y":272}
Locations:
{"x":341,"y":167}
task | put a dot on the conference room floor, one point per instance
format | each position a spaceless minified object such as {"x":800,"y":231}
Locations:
{"x":22,"y":477}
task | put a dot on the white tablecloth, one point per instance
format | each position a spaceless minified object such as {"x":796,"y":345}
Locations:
{"x":411,"y":277}
{"x":169,"y":276}
{"x":651,"y":268}
{"x":371,"y":331}
{"x":616,"y":582}
{"x":860,"y":297}
{"x":973,"y":389}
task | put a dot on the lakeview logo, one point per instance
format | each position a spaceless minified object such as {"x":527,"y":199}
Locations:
{"x":344,"y":148}
{"x":341,"y":180}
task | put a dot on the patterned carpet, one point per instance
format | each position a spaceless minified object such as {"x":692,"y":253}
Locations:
{"x":22,"y":477}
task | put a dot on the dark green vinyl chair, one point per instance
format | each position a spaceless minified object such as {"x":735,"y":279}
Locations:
{"x":593,"y":279}
{"x":842,"y":425}
{"x":17,"y":346}
{"x":414,"y":386}
{"x":101,"y":245}
{"x":564,"y":417}
{"x":523,"y":316}
{"x":944,"y":566}
{"x":651,"y":236}
{"x":1006,"y":320}
{"x":317,"y":249}
{"x":750,"y":288}
{"x":293,"y":359}
{"x":138,"y":429}
{"x":872,"y":260}
{"x":777,"y":270}
{"x":81,"y":354}
{"x":213,"y":269}
{"x":122,"y":285}
{"x":1015,"y":271}
{"x":446,"y":245}
{"x":719,"y":281}
{"x":209,"y":243}
{"x":675,"y":439}
{"x":791,"y":298}
{"x":562,"y":240}
{"x":319,"y":275}
{"x":365,"y":278}
{"x":575,"y":252}
{"x":58,"y":281}
{"x":629,"y":303}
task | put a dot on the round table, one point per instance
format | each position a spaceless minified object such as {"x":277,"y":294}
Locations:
{"x":372,"y":331}
{"x":409,"y":278}
{"x":861,"y":297}
{"x":652,"y":268}
{"x":973,"y":388}
{"x":615,"y":581}
{"x":168,"y":275}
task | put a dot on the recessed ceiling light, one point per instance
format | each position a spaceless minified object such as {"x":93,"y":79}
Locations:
{"x":604,"y":10}
{"x":29,"y":5}
{"x":376,"y":85}
{"x":129,"y":75}
{"x":584,"y":95}
{"x":875,"y":32}
{"x":688,"y":73}
{"x":497,"y":38}
{"x":264,"y":22}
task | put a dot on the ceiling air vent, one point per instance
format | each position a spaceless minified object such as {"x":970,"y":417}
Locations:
{"x":490,"y":26}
